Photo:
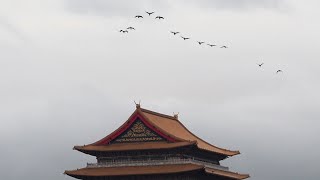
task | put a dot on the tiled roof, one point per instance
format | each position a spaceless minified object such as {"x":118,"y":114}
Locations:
{"x":151,"y":170}
{"x":174,"y":127}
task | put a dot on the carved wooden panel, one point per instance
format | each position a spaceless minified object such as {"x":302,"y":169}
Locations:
{"x":138,"y":132}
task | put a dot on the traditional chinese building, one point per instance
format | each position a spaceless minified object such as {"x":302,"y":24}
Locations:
{"x":150,"y":145}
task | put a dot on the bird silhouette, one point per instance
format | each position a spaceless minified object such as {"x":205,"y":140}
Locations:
{"x":123,"y":31}
{"x":184,"y":38}
{"x":174,"y":33}
{"x":131,"y":28}
{"x":200,"y":42}
{"x":149,"y":13}
{"x":138,"y":16}
{"x":223,"y":47}
{"x":260,"y":64}
{"x":159,"y":17}
{"x":211,"y":45}
{"x":279,"y":71}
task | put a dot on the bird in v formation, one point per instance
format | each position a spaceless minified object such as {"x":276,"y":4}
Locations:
{"x":149,"y":13}
{"x":278,"y":71}
{"x":211,"y":45}
{"x":159,"y":17}
{"x":185,"y":38}
{"x":174,"y":33}
{"x":123,"y":31}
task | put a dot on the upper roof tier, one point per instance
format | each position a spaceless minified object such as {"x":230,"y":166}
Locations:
{"x":147,"y":126}
{"x":174,"y":127}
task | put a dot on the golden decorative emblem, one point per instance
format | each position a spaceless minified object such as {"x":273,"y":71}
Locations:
{"x":138,"y":127}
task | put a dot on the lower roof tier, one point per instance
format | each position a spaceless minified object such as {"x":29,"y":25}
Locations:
{"x":148,"y":148}
{"x":86,"y":173}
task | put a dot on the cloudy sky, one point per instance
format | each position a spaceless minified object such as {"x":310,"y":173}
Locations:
{"x":68,"y":77}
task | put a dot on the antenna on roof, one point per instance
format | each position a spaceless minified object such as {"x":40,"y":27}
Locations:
{"x":138,"y":104}
{"x":176,"y":115}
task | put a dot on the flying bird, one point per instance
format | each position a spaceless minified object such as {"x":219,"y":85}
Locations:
{"x":260,"y":64}
{"x":138,"y":16}
{"x":200,"y":42}
{"x":279,"y":71}
{"x":184,"y":38}
{"x":149,"y":13}
{"x":159,"y":17}
{"x":131,"y":28}
{"x":174,"y":33}
{"x":211,"y":45}
{"x":123,"y":31}
{"x":223,"y":47}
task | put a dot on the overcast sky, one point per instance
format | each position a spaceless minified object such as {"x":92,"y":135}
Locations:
{"x":68,"y":77}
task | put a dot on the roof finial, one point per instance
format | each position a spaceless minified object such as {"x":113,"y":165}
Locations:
{"x":138,"y":104}
{"x":176,"y":115}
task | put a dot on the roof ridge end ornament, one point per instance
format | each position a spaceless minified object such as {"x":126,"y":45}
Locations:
{"x":138,"y":105}
{"x":176,"y":115}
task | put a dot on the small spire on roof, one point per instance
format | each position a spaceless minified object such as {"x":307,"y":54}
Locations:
{"x":138,"y":105}
{"x":176,"y":115}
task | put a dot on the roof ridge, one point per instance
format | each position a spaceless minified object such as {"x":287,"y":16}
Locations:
{"x":123,"y":125}
{"x":158,"y":114}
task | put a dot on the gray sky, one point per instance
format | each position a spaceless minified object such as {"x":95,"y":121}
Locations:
{"x":68,"y":77}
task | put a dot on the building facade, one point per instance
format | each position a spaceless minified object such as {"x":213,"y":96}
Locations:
{"x":150,"y":145}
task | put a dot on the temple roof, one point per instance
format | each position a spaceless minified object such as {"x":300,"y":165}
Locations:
{"x":167,"y":127}
{"x":151,"y":170}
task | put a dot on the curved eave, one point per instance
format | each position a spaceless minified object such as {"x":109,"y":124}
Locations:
{"x":227,"y":174}
{"x":152,"y":170}
{"x":227,"y":153}
{"x":91,"y":149}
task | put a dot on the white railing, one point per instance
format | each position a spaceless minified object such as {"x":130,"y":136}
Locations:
{"x":147,"y":162}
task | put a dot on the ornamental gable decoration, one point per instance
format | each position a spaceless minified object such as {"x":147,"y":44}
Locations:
{"x":138,"y":132}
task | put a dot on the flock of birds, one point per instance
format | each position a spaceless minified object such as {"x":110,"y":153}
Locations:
{"x":173,"y":32}
{"x":183,"y":37}
{"x":278,"y":71}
